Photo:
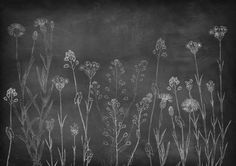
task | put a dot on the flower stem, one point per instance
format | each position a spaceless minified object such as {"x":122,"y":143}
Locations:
{"x":9,"y":152}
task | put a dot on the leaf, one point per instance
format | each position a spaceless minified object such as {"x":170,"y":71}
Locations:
{"x":48,"y":163}
{"x":39,"y":78}
{"x":33,"y":99}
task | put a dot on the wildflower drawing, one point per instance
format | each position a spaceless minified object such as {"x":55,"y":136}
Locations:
{"x":74,"y":132}
{"x":60,"y":82}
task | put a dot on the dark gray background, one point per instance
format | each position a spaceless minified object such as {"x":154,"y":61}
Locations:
{"x":102,"y":31}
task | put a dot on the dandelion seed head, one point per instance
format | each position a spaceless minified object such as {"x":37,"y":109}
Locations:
{"x":16,"y":30}
{"x":60,"y":82}
{"x":218,"y":32}
{"x":190,"y":105}
{"x":74,"y":129}
{"x":210,"y":86}
{"x":50,"y":124}
{"x":193,"y":46}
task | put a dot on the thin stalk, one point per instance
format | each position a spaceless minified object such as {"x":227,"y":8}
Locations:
{"x":74,"y":151}
{"x":61,"y":131}
{"x":116,"y":140}
{"x":9,"y":151}
{"x":16,"y":48}
{"x":75,"y":82}
{"x":116,"y":80}
{"x":177,"y":101}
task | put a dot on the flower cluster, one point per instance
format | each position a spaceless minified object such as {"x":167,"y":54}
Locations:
{"x":11,"y":96}
{"x":70,"y":57}
{"x":50,"y":124}
{"x":160,"y":46}
{"x":59,"y":82}
{"x":210,"y":86}
{"x":165,"y":97}
{"x":189,"y":84}
{"x":139,"y":68}
{"x":218,"y":32}
{"x":90,"y":68}
{"x":74,"y":129}
{"x":173,"y":83}
{"x":16,"y":30}
{"x":144,"y":103}
{"x":95,"y":87}
{"x":190,"y":105}
{"x":114,"y":103}
{"x":193,"y":46}
{"x":117,"y":64}
{"x":41,"y":23}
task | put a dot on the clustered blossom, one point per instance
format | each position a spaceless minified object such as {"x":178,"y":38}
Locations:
{"x":41,"y":23}
{"x":60,"y":82}
{"x":16,"y":30}
{"x":90,"y":68}
{"x":193,"y":46}
{"x":142,"y":66}
{"x":50,"y":124}
{"x":173,"y":83}
{"x":114,"y":103}
{"x":210,"y":86}
{"x":11,"y":96}
{"x":189,"y":84}
{"x":160,"y":46}
{"x":95,"y":87}
{"x":119,"y":65}
{"x":165,"y":97}
{"x":74,"y":129}
{"x":144,"y":103}
{"x":218,"y":32}
{"x":70,"y":57}
{"x":190,"y":105}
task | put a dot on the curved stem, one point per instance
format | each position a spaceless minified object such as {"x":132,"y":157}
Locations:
{"x":61,"y":131}
{"x":9,"y":152}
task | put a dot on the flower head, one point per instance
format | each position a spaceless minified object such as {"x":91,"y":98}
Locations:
{"x":190,"y":105}
{"x":50,"y":124}
{"x":193,"y":46}
{"x":59,"y":82}
{"x":16,"y":30}
{"x":160,"y":46}
{"x":210,"y":86}
{"x":35,"y":35}
{"x":174,"y":83}
{"x":218,"y":32}
{"x":90,"y":68}
{"x":114,"y":103}
{"x":144,"y":103}
{"x":74,"y":129}
{"x":70,"y":57}
{"x":189,"y":84}
{"x":165,"y":97}
{"x":41,"y":23}
{"x":11,"y":96}
{"x":171,"y":111}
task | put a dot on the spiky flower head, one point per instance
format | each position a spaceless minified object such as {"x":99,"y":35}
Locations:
{"x":174,"y":83}
{"x":90,"y":68}
{"x":60,"y":82}
{"x":16,"y":30}
{"x":190,"y":105}
{"x":11,"y":96}
{"x":193,"y":46}
{"x":210,"y":86}
{"x":50,"y":124}
{"x":159,"y":47}
{"x":42,"y":24}
{"x":165,"y":97}
{"x":218,"y":32}
{"x":189,"y":84}
{"x":74,"y":129}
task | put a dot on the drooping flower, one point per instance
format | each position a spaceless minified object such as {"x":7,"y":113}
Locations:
{"x":90,"y":68}
{"x":165,"y":97}
{"x":50,"y":124}
{"x":74,"y":129}
{"x":218,"y":32}
{"x":59,"y":82}
{"x":193,"y":47}
{"x":160,"y":46}
{"x":189,"y":84}
{"x":190,"y":105}
{"x":210,"y":86}
{"x":171,"y":111}
{"x":16,"y":30}
{"x":11,"y":96}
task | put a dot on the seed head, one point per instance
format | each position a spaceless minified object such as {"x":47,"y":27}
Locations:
{"x":74,"y":129}
{"x":218,"y":32}
{"x":16,"y":30}
{"x":59,"y":82}
{"x":50,"y":124}
{"x":210,"y":86}
{"x":193,"y":47}
{"x":190,"y":105}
